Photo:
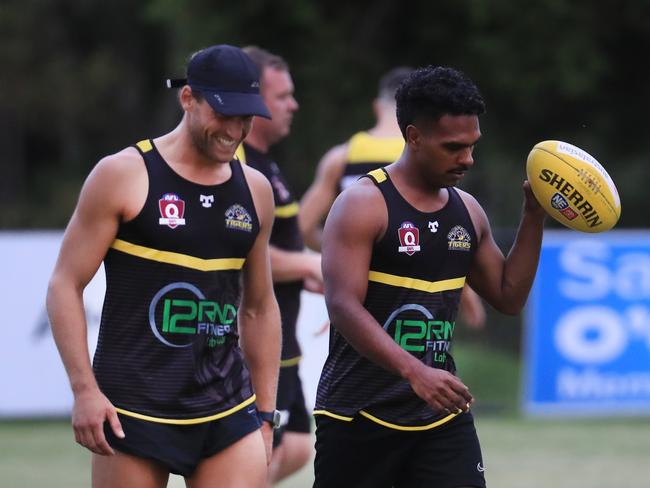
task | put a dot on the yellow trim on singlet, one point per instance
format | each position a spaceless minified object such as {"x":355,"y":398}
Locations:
{"x":410,"y":428}
{"x":333,"y":415}
{"x":241,"y":154}
{"x":287,"y":211}
{"x":416,"y":284}
{"x":379,"y":175}
{"x":199,"y":420}
{"x":219,"y":264}
{"x":287,"y":363}
{"x":364,"y":148}
{"x":145,"y":145}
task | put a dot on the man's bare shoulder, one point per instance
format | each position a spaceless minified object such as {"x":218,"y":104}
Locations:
{"x":126,"y":160}
{"x":362,"y":198}
{"x":476,"y":211}
{"x":468,"y":199}
{"x":256,"y":179}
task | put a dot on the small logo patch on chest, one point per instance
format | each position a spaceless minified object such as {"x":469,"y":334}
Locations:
{"x":206,"y":200}
{"x":459,"y":239}
{"x":172,"y":210}
{"x":238,"y":218}
{"x":409,"y":238}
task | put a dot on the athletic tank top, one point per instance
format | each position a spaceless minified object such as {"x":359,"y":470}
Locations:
{"x":417,"y":272}
{"x":367,"y":153}
{"x":284,"y":235}
{"x":168,"y":342}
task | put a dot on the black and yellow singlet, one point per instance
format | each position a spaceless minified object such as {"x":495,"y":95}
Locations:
{"x":168,"y":341}
{"x":367,"y":153}
{"x":416,"y":276}
{"x":284,"y":235}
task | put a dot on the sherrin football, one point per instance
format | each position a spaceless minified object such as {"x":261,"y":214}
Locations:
{"x":573,"y":187}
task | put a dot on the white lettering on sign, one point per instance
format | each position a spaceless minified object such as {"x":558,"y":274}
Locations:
{"x":590,"y":335}
{"x":590,"y":384}
{"x":593,"y":274}
{"x":598,"y":334}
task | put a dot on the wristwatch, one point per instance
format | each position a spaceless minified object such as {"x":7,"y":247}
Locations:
{"x":272,"y":418}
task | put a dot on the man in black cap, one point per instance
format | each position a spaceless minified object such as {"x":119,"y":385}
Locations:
{"x":179,"y":225}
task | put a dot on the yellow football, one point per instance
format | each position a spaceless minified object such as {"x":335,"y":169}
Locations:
{"x":573,"y":187}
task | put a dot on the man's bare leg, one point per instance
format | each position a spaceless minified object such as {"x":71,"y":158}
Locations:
{"x":127,"y":471}
{"x":241,"y":465}
{"x":293,"y":453}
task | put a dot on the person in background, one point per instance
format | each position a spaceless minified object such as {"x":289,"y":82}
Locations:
{"x":292,"y":267}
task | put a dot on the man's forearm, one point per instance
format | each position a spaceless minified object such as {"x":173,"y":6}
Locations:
{"x":261,"y":341}
{"x":68,"y":322}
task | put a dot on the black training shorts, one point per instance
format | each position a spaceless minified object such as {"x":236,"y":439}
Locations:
{"x":181,"y":448}
{"x":364,"y":454}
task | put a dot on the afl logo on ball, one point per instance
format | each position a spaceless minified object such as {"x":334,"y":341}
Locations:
{"x":409,"y":238}
{"x":559,"y":203}
{"x":172,"y":210}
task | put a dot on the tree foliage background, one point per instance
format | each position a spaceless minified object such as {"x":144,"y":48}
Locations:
{"x":84,"y":78}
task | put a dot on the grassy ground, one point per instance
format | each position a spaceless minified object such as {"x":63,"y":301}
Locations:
{"x":518,"y":453}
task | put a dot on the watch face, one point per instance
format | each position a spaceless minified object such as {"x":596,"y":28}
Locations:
{"x":276,"y":419}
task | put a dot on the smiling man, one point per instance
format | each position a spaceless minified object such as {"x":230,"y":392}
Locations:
{"x":398,"y":247}
{"x":179,"y":224}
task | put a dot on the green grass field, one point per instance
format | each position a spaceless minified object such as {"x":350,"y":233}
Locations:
{"x":518,"y":453}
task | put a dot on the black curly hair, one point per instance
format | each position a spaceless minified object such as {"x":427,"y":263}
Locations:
{"x":431,"y":92}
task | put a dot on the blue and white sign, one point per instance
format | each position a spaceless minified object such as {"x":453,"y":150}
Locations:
{"x":588,"y":325}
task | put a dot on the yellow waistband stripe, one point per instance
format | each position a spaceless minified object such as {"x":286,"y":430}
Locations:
{"x":178,"y":259}
{"x":199,"y":420}
{"x":286,"y":363}
{"x":416,"y":284}
{"x":287,"y":211}
{"x":333,"y":415}
{"x":408,"y":428}
{"x":145,"y":146}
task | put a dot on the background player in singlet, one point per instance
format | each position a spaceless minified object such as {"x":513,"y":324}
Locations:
{"x":398,"y":247}
{"x":179,"y":225}
{"x":292,"y":268}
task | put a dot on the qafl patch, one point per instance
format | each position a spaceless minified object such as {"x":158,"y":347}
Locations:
{"x":238,"y":218}
{"x":459,"y":239}
{"x":172,"y":210}
{"x":409,"y":238}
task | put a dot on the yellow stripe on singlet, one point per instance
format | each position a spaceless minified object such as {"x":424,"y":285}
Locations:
{"x":333,"y":415}
{"x":219,"y":264}
{"x":410,"y":428}
{"x":287,"y":363}
{"x":287,"y":211}
{"x":364,"y":148}
{"x":145,"y":146}
{"x":416,"y":284}
{"x":199,"y":420}
{"x":379,"y":175}
{"x":240,"y":154}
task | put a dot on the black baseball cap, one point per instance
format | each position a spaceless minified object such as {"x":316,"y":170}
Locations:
{"x":228,"y":80}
